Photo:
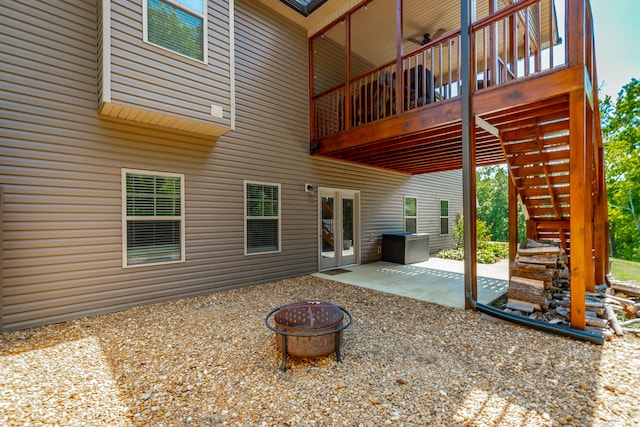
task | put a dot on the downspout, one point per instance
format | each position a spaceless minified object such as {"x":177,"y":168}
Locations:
{"x":469,"y":206}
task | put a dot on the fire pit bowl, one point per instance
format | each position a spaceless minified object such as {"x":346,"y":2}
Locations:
{"x":308,"y":329}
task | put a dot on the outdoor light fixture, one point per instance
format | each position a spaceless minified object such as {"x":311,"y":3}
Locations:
{"x":309,"y":188}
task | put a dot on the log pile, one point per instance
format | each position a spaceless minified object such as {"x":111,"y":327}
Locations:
{"x":537,"y":269}
{"x":539,"y":288}
{"x":624,"y":300}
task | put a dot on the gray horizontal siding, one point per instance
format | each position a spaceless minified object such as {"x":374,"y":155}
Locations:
{"x":382,"y":201}
{"x":151,"y":78}
{"x":60,"y":168}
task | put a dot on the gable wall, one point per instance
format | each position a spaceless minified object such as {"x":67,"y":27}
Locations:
{"x":60,"y":170}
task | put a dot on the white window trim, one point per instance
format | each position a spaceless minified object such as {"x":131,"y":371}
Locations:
{"x":205,"y":29}
{"x":440,"y":216}
{"x":404,"y":211}
{"x":244,"y":209}
{"x":125,"y":218}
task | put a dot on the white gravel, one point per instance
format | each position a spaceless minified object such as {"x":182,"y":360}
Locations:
{"x":211,"y":361}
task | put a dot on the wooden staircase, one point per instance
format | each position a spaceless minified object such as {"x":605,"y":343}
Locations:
{"x":537,"y":154}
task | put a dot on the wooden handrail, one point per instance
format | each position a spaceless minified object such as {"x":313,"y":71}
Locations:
{"x":373,"y":71}
{"x":328,"y":91}
{"x":503,"y":13}
{"x":445,"y":37}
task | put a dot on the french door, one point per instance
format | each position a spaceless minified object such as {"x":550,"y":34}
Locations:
{"x":339,"y":231}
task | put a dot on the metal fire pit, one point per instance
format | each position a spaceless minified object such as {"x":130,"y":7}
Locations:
{"x":308,"y":329}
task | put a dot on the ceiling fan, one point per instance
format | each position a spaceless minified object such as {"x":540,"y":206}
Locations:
{"x":427,"y":37}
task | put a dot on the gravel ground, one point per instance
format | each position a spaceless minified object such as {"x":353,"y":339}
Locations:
{"x":210,"y":361}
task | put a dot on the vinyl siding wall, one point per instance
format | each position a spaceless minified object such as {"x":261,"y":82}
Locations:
{"x":147,"y":77}
{"x":60,"y":170}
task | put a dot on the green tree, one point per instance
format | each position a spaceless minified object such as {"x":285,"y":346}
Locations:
{"x":492,"y":192}
{"x":620,"y":121}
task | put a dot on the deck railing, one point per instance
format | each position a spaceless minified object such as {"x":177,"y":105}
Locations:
{"x":432,"y":72}
{"x":328,"y":112}
{"x":515,"y":42}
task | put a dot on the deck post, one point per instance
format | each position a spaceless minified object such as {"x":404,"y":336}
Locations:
{"x":399,"y":65}
{"x":468,"y":160}
{"x":513,"y":223}
{"x":600,"y":221}
{"x":347,"y":74}
{"x":600,"y":214}
{"x":312,"y":120}
{"x":580,"y":221}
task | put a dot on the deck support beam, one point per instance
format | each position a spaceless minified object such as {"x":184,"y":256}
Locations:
{"x":600,"y":221}
{"x":513,"y":222}
{"x":468,"y":161}
{"x":581,"y":172}
{"x":581,"y":221}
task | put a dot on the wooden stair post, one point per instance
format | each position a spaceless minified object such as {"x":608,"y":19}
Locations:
{"x":513,"y":222}
{"x":581,"y":261}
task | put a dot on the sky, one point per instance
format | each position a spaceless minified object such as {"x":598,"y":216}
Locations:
{"x":617,"y":33}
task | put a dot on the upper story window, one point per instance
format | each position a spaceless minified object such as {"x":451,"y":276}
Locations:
{"x":262,"y":217}
{"x":410,"y":214}
{"x":177,"y":25}
{"x":153,"y":217}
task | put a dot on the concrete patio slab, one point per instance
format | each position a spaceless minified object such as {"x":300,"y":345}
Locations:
{"x":437,"y":280}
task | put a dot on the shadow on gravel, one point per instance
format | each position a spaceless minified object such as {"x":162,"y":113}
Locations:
{"x":210,"y":360}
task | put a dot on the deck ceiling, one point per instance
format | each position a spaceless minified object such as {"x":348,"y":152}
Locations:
{"x":431,"y":150}
{"x":419,"y":17}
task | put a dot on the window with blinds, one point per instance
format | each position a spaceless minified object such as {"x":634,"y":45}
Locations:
{"x":177,"y":25}
{"x":262,"y":218}
{"x":444,"y":217}
{"x":153,"y":217}
{"x":410,"y":214}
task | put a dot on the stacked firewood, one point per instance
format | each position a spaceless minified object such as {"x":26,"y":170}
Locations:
{"x":540,"y":289}
{"x":538,"y":269}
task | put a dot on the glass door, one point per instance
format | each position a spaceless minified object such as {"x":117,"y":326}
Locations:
{"x":327,"y":232}
{"x":348,"y":253}
{"x":339,"y":228}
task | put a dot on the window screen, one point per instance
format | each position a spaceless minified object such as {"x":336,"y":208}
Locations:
{"x":444,"y":217}
{"x":262,"y":218}
{"x":154,"y":217}
{"x":411,"y":214}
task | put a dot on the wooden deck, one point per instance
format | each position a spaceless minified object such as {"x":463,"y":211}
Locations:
{"x":429,"y":139}
{"x":538,"y":115}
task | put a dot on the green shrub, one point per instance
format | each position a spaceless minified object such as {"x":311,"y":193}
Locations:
{"x":485,"y":256}
{"x":499,"y":249}
{"x":456,"y":254}
{"x":488,"y":252}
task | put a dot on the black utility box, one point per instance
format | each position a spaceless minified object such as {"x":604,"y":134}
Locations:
{"x":405,"y":248}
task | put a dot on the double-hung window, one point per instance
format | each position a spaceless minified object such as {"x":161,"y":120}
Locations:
{"x":410,"y":214}
{"x":177,"y":25}
{"x":444,"y":217}
{"x":262,"y":217}
{"x":153,"y":217}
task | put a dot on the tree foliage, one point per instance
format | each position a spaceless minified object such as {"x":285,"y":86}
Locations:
{"x":493,"y":202}
{"x":620,"y":121}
